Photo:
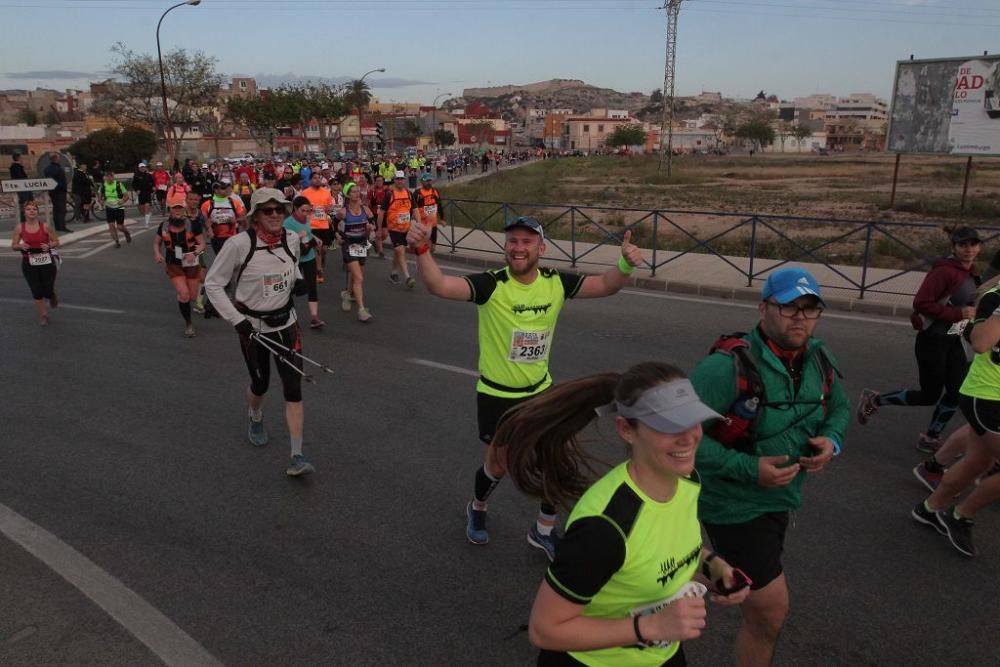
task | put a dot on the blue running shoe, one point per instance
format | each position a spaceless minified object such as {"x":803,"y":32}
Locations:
{"x":256,"y":433}
{"x":546,"y":543}
{"x":475,"y":527}
{"x":299,"y":465}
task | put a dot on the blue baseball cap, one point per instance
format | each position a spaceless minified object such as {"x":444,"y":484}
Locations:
{"x":787,"y":285}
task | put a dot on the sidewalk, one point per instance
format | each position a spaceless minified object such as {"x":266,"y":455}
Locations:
{"x":696,"y":274}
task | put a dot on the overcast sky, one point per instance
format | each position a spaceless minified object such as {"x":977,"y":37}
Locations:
{"x":786,"y":47}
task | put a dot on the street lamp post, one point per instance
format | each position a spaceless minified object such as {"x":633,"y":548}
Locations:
{"x":434,"y":113}
{"x":168,"y":128}
{"x":361,"y":129}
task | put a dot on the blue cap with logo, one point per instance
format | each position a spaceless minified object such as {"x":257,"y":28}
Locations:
{"x":787,"y":285}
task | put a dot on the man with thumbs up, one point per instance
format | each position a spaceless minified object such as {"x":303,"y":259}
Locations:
{"x":518,"y":308}
{"x":785,"y":413}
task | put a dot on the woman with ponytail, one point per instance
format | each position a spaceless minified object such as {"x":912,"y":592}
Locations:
{"x":620,"y":589}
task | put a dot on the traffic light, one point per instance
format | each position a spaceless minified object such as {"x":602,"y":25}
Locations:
{"x":380,"y":132}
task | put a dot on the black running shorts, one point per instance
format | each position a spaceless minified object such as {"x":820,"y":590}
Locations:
{"x":145,"y":197}
{"x":490,"y":411}
{"x":983,"y":415}
{"x":754,"y":547}
{"x":116,"y":216}
{"x":398,"y":239}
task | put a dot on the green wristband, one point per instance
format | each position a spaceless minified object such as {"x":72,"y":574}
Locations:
{"x":624,"y":266}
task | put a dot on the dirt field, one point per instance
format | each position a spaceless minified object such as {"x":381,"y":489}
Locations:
{"x":714,"y":199}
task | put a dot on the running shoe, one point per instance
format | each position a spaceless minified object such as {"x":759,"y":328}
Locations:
{"x":117,"y":244}
{"x":299,"y":465}
{"x":546,"y":543}
{"x":394,"y":278}
{"x":256,"y":432}
{"x":316,"y":323}
{"x":410,"y":282}
{"x":128,"y":237}
{"x":364,"y":315}
{"x":189,"y":331}
{"x":928,"y":477}
{"x":867,"y":405}
{"x":198,"y":309}
{"x":54,"y":301}
{"x":44,"y":321}
{"x":958,"y":530}
{"x":928,"y":444}
{"x":475,"y":527}
{"x":345,"y":301}
{"x":994,"y":469}
{"x":921,"y":514}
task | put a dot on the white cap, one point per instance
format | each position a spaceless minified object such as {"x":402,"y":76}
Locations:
{"x":324,"y":165}
{"x":142,"y":164}
{"x":204,"y":165}
{"x":399,"y":174}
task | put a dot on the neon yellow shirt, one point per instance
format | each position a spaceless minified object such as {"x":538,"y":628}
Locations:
{"x":983,"y":379}
{"x":624,"y":551}
{"x":516,"y":325}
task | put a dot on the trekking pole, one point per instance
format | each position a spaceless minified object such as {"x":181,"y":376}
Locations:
{"x":269,"y":344}
{"x":272,"y":344}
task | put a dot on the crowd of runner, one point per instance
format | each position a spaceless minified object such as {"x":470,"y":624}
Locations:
{"x":724,"y":452}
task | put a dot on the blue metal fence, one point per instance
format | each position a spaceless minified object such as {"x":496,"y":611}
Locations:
{"x":568,"y":225}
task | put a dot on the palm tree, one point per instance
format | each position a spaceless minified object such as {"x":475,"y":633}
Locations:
{"x":360,"y":94}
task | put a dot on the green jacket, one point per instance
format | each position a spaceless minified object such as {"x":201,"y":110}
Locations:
{"x":730,"y":493}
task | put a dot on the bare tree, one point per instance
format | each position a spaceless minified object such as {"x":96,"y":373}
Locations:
{"x":134,"y":96}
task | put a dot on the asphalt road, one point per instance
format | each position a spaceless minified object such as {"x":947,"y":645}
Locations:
{"x":126,"y":441}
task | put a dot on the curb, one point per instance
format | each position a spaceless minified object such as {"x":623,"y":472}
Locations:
{"x":743,"y":294}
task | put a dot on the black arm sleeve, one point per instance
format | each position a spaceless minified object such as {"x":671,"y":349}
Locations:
{"x":987,"y":305}
{"x":587,"y":557}
{"x":482,"y":286}
{"x":571,"y":283}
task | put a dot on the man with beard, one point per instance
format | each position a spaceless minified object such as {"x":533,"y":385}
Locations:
{"x":785,"y":416}
{"x":519,"y":305}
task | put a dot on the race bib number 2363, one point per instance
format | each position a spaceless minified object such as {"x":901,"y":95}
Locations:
{"x":527,"y":347}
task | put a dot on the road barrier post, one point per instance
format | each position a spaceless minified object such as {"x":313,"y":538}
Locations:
{"x":864,"y":260}
{"x":656,"y":236}
{"x":572,"y":236}
{"x":753,"y":249}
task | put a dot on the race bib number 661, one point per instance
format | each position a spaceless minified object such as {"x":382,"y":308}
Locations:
{"x":527,"y":347}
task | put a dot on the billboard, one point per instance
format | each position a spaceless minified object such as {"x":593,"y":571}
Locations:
{"x":946,"y":107}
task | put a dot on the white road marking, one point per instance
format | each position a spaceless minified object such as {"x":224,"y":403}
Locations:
{"x":444,"y":367}
{"x":159,"y":634}
{"x":110,"y":244}
{"x":68,"y":306}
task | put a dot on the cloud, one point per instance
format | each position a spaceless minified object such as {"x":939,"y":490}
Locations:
{"x":55,"y":75}
{"x":275,"y":80}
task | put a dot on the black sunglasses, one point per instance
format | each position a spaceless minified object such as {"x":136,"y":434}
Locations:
{"x":271,"y":210}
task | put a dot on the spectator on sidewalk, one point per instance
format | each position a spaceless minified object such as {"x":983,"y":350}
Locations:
{"x":58,"y":195}
{"x":17,"y":172}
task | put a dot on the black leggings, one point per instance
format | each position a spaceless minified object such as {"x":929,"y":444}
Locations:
{"x":308,"y":269}
{"x":258,"y":360}
{"x":942,"y":365}
{"x":41,"y":279}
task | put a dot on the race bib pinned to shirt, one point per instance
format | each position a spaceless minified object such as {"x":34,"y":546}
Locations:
{"x":39,"y":259}
{"x":528,"y":347}
{"x":358,"y":250}
{"x":275,"y":284}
